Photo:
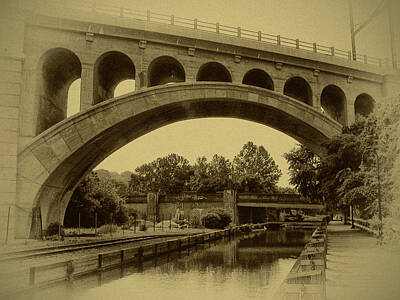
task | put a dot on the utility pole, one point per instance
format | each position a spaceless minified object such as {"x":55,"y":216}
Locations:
{"x":391,"y":10}
{"x":352,"y":34}
{"x":389,"y":4}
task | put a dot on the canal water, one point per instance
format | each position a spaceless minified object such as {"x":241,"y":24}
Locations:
{"x":247,"y":267}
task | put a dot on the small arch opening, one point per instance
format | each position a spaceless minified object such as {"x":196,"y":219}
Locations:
{"x":260,"y":78}
{"x":364,"y":105}
{"x":299,"y":89}
{"x":124,"y":87}
{"x":58,"y":68}
{"x":109,"y":70}
{"x":164,"y":70}
{"x":333,"y":102}
{"x":213,"y":71}
{"x":74,"y":103}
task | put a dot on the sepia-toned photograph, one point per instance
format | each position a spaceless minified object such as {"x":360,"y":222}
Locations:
{"x":200,"y":150}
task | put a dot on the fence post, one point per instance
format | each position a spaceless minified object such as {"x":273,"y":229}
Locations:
{"x":95,"y":223}
{"x":259,"y":36}
{"x":32,"y":272}
{"x":8,"y":223}
{"x":79,"y":224}
{"x":217,"y":27}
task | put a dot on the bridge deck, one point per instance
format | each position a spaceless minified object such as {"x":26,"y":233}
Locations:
{"x":358,"y":268}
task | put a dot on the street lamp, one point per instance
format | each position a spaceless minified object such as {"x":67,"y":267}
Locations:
{"x":379,"y":189}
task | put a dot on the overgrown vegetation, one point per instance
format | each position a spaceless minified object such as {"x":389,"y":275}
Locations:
{"x":217,"y":219}
{"x":348,"y":173}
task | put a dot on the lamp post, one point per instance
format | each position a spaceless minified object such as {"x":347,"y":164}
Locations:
{"x":379,"y":189}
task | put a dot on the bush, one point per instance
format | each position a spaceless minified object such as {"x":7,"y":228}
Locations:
{"x":212,"y":220}
{"x":217,"y":219}
{"x":107,"y":229}
{"x":52,"y":229}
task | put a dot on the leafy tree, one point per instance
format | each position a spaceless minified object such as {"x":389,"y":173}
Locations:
{"x":166,"y":174}
{"x":255,"y":170}
{"x":94,"y":194}
{"x":303,"y":168}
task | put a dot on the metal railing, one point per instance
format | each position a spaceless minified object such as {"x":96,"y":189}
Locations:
{"x":196,"y":24}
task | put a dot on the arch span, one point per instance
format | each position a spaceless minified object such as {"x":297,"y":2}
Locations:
{"x":298,"y":88}
{"x":165,"y":69}
{"x":364,"y":105}
{"x":214,"y":71}
{"x":54,"y":163}
{"x":258,"y":78}
{"x":110,"y":69}
{"x":58,"y":68}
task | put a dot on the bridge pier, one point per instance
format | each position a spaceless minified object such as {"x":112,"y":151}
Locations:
{"x":87,"y":86}
{"x":11,"y":62}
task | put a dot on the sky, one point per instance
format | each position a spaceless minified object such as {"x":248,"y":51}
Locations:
{"x":323,"y":21}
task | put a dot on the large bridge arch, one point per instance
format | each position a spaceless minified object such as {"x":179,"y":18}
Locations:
{"x":51,"y":166}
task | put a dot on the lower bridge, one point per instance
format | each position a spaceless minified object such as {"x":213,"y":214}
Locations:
{"x":244,"y":207}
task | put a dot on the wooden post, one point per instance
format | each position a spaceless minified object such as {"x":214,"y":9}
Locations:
{"x":32,"y":273}
{"x":79,"y":224}
{"x":95,"y":223}
{"x":8,"y":223}
{"x":100,"y":261}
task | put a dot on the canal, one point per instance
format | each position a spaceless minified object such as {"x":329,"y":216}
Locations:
{"x":247,"y":267}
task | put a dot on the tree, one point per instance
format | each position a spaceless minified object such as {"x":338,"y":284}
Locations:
{"x":255,"y":170}
{"x":303,"y":168}
{"x":167,"y":174}
{"x":210,"y":177}
{"x":94,"y":194}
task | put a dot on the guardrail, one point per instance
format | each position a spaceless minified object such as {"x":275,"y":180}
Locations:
{"x":196,"y":24}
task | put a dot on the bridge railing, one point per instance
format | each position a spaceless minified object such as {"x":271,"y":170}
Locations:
{"x":94,"y":7}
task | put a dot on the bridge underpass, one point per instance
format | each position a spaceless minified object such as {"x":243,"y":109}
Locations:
{"x":259,"y":208}
{"x":47,"y":154}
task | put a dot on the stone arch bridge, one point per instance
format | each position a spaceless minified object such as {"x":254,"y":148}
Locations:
{"x":180,"y":73}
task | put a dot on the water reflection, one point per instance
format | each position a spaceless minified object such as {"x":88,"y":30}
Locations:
{"x":249,"y":267}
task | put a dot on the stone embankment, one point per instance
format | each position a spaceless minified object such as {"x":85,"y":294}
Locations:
{"x":307,"y":278}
